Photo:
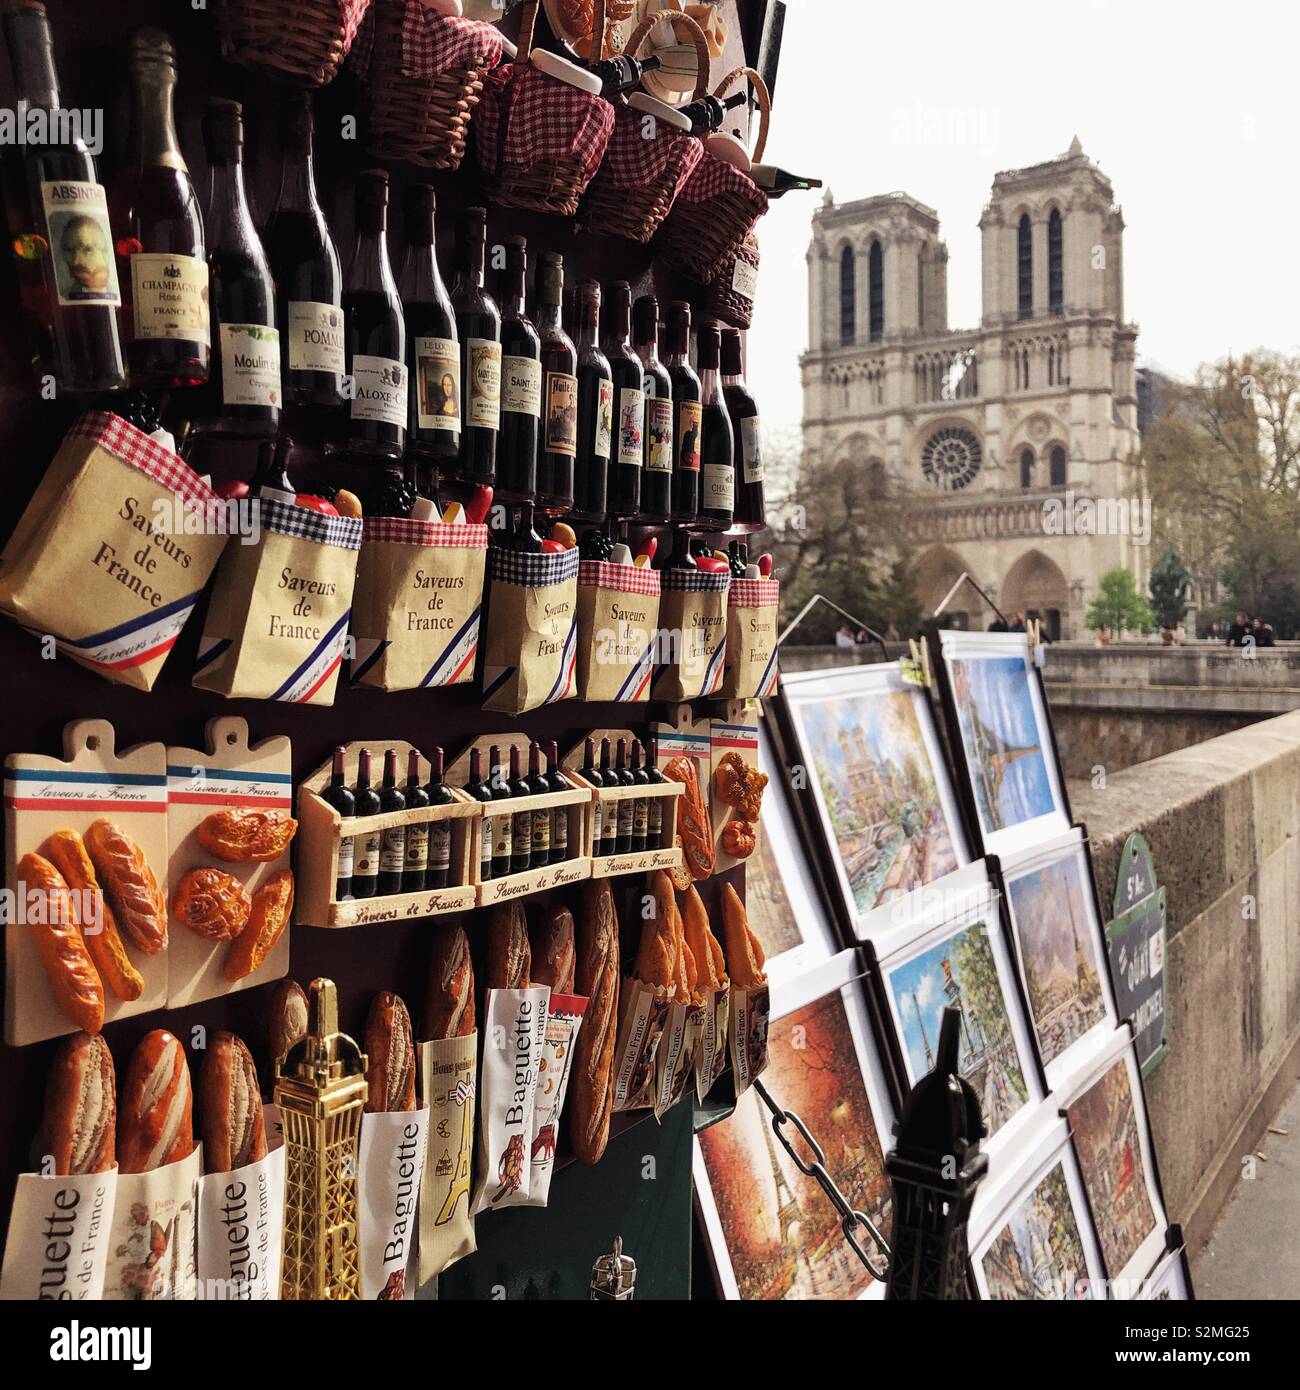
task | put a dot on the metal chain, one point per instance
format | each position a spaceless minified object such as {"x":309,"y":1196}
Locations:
{"x":850,"y":1221}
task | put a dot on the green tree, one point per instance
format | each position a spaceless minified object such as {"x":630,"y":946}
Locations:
{"x":1168,"y":584}
{"x":1118,"y":604}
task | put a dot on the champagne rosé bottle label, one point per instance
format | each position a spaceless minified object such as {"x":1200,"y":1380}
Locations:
{"x":659,"y":427}
{"x":604,"y":420}
{"x":315,"y":337}
{"x":521,"y":386}
{"x":717,"y":482}
{"x":170,"y":297}
{"x":437,"y":384}
{"x":752,"y":449}
{"x":483,"y":408}
{"x":250,"y":364}
{"x":561,"y":414}
{"x":380,"y":387}
{"x":631,"y":426}
{"x":690,"y":415}
{"x":81,"y":243}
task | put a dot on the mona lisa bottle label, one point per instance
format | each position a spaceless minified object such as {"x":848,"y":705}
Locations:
{"x":437,"y":384}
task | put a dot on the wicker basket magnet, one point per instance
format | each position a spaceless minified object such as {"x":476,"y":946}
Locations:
{"x":731,"y":291}
{"x":417,"y":100}
{"x":718,"y":206}
{"x":539,"y":141}
{"x":636,"y":186}
{"x":303,"y":41}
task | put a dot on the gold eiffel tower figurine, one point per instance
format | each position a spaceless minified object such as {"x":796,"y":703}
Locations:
{"x":460,"y":1183}
{"x":320,"y":1087}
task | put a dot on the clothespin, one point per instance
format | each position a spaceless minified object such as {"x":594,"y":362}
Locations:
{"x":915,"y":667}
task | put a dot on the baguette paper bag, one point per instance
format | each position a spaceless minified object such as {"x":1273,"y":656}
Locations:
{"x":447,"y":1087}
{"x":389,"y":1166}
{"x":152,"y":1241}
{"x":241,"y":1229}
{"x":113,"y":550}
{"x":513,"y":1039}
{"x":416,"y":606}
{"x":277,"y":623}
{"x":57,"y":1246}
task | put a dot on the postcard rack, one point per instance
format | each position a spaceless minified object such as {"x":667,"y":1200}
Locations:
{"x":321,"y":828}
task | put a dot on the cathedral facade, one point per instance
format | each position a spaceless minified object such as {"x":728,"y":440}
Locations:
{"x":1014,"y":443}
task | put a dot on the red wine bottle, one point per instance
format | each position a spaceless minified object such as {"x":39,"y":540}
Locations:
{"x":59,"y":227}
{"x":365,"y":863}
{"x":478,"y":324}
{"x":654,"y":804}
{"x":541,"y":822}
{"x":308,"y":278}
{"x":686,"y":406}
{"x":627,"y":806}
{"x":657,"y":480}
{"x":502,"y":825}
{"x":243,"y":392}
{"x":624,"y":499}
{"x":641,"y":805}
{"x":559,"y":446}
{"x":521,"y":832}
{"x":161,"y":262}
{"x":558,"y":782}
{"x":392,"y":850}
{"x":375,"y":331}
{"x":521,"y":382}
{"x":750,"y":511}
{"x":339,"y":796}
{"x":717,"y":443}
{"x":476,"y":787}
{"x":439,"y":794}
{"x":416,"y":856}
{"x":609,"y":811}
{"x":595,"y":408}
{"x":433,"y":349}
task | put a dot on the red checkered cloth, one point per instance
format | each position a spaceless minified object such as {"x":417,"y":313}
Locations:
{"x":713,"y":176}
{"x":754,"y":593}
{"x":433,"y":43}
{"x":124,"y":441}
{"x":407,"y":530}
{"x":635,"y":159}
{"x":548,"y":120}
{"x":624,"y":579}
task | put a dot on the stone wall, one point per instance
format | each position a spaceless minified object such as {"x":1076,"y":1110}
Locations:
{"x":1091,"y":738}
{"x":1222,"y":820}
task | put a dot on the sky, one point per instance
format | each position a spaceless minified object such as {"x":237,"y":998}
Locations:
{"x":1187,"y":107}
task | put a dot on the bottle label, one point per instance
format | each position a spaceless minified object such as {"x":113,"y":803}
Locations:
{"x":717,"y":486}
{"x":744,"y":280}
{"x":604,"y":419}
{"x":561,"y":414}
{"x":521,"y":386}
{"x":486,"y":845}
{"x":690,"y":415}
{"x":315,"y":337}
{"x":169,"y":297}
{"x":640,"y":818}
{"x":440,"y":844}
{"x":560,"y":828}
{"x":417,"y":846}
{"x":367,"y":855}
{"x":659,"y":430}
{"x":523,"y":832}
{"x":541,"y":832}
{"x":250,"y":365}
{"x":631,"y":426}
{"x":655,"y":818}
{"x":379,"y":390}
{"x":437,"y":384}
{"x":345,"y":857}
{"x":626,"y":817}
{"x":392,"y":852}
{"x":501,"y":837}
{"x":81,"y":243}
{"x":611,"y":825}
{"x":751,"y":447}
{"x":483,"y":408}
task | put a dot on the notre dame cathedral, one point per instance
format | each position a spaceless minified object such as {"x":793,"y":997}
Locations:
{"x":1000,"y":430}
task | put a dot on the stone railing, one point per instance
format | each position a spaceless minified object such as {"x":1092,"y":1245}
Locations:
{"x":1222,"y":820}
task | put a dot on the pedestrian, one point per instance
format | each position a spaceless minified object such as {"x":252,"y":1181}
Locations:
{"x":844,"y":636}
{"x":1019,"y":624}
{"x":1262,"y":632}
{"x":1103,"y":636}
{"x":1237,"y":633}
{"x":891,"y":633}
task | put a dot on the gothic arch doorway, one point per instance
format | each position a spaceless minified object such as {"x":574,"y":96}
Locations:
{"x":937,"y":570}
{"x":1036,"y":587}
